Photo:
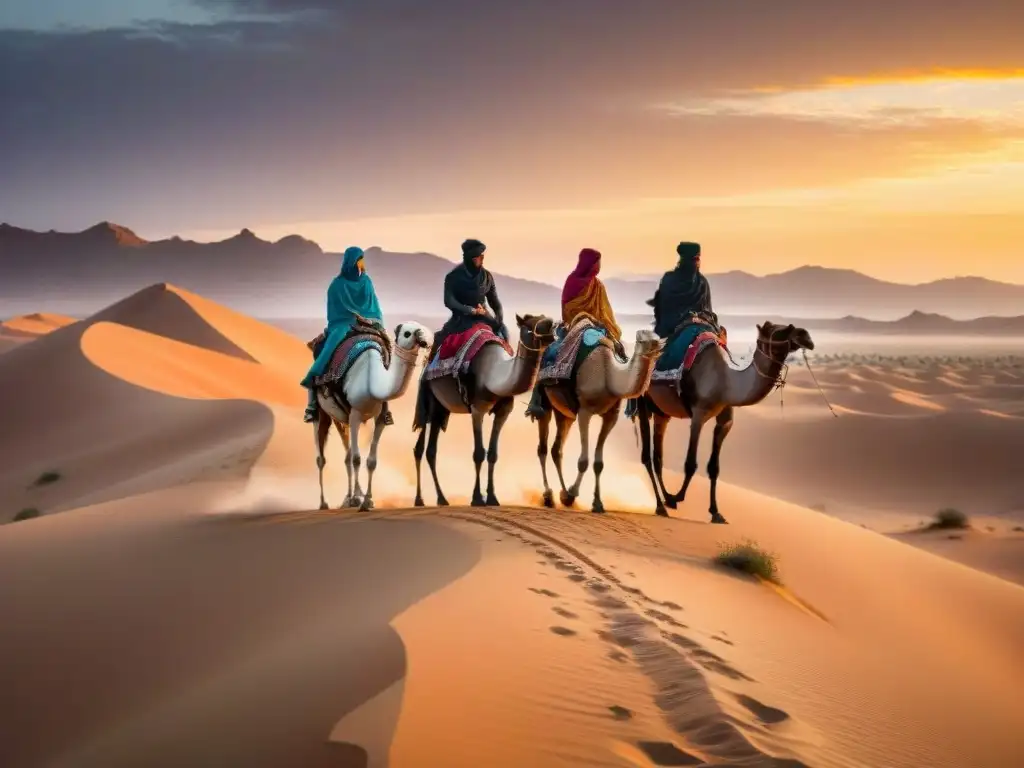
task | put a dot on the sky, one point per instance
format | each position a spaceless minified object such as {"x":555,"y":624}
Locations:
{"x":879,"y":136}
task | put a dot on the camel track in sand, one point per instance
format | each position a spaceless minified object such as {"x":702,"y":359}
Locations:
{"x":712,"y":729}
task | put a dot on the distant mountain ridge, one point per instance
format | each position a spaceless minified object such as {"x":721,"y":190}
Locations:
{"x":77,"y":272}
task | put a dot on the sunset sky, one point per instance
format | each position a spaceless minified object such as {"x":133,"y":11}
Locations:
{"x":882,"y":136}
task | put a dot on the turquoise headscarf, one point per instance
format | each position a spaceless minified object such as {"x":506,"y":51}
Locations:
{"x":351,"y":293}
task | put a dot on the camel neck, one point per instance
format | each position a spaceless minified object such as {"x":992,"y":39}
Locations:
{"x":754,"y":383}
{"x":630,"y":379}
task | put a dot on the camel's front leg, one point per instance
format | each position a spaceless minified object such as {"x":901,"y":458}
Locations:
{"x":697,"y":422}
{"x":583,"y":463}
{"x":608,"y":421}
{"x":723,"y":424}
{"x":661,"y":423}
{"x":353,"y":459}
{"x":643,"y":415}
{"x":479,"y":453}
{"x":321,"y":429}
{"x":371,"y":460}
{"x":562,"y":426}
{"x":543,"y":429}
{"x":500,"y":412}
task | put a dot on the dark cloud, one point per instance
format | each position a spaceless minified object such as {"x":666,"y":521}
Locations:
{"x":325,"y":108}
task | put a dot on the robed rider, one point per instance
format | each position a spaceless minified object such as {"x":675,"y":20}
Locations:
{"x":682,"y":291}
{"x":469,"y":290}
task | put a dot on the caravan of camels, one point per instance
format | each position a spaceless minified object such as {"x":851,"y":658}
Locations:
{"x":577,"y":369}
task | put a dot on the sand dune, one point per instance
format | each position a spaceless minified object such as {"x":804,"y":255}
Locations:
{"x":214,"y":624}
{"x":24,"y":328}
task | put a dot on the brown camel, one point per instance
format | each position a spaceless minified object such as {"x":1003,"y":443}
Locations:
{"x":597,"y":388}
{"x":711,"y":389}
{"x":495,"y":378}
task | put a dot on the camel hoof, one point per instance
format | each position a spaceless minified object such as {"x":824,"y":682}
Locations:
{"x":549,"y":499}
{"x":354,"y":502}
{"x":567,"y":499}
{"x":419,"y":502}
{"x":671,"y":501}
{"x":324,"y":505}
{"x":492,"y":501}
{"x":367,"y":505}
{"x":660,"y":511}
{"x":598,"y":508}
{"x":718,"y":519}
{"x":442,"y":501}
{"x":478,"y":501}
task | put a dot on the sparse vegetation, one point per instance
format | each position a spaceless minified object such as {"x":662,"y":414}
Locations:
{"x":750,"y":558}
{"x":949,"y":519}
{"x":26,"y":514}
{"x":47,"y":478}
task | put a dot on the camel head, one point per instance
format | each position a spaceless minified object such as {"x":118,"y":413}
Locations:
{"x":536,"y":331}
{"x":648,"y":343}
{"x":410,"y":335}
{"x":779,"y":341}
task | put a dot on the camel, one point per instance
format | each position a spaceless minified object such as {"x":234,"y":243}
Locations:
{"x":597,"y":388}
{"x":496,"y":379}
{"x":713,"y":390}
{"x":359,"y":397}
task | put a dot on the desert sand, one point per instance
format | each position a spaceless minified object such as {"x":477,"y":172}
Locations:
{"x":180,"y":602}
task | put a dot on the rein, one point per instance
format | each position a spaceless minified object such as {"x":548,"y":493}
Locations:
{"x":780,"y":379}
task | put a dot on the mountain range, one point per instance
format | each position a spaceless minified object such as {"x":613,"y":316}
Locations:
{"x":75,"y":273}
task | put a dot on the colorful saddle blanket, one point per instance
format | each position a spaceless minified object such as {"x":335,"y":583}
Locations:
{"x":362,"y":337}
{"x":458,"y":351}
{"x":571,"y":347}
{"x":693,"y":337}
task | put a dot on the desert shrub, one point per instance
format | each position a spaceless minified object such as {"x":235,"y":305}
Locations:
{"x":26,"y":514}
{"x":47,"y":478}
{"x":748,"y":557}
{"x":949,"y":518}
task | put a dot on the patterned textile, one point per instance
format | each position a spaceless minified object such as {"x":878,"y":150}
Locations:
{"x":458,"y":351}
{"x":561,"y":359}
{"x":363,"y":336}
{"x":693,"y":337}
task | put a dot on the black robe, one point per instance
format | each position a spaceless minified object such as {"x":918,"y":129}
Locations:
{"x":682,"y":291}
{"x":465,"y":287}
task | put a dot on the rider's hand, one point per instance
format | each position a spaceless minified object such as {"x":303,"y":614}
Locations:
{"x":479,"y":310}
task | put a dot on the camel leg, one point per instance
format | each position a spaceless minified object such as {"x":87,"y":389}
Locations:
{"x":353,"y":459}
{"x":562,"y":426}
{"x":643,"y":415}
{"x":479,"y":453}
{"x":723,"y":424}
{"x":583,"y":463}
{"x":608,"y":421}
{"x":658,"y":456}
{"x":321,"y":430}
{"x":417,"y":452}
{"x":435,"y":433}
{"x":697,"y":422}
{"x":500,"y":412}
{"x":371,"y":460}
{"x":543,"y":428}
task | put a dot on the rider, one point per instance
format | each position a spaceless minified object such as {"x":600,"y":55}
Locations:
{"x":466,"y":289}
{"x":350,"y":296}
{"x":584,"y":293}
{"x":682,"y":291}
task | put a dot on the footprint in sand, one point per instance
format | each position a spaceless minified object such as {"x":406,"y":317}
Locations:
{"x":577,"y":577}
{"x":610,"y":603}
{"x":618,"y":656}
{"x":564,"y":613}
{"x":620,"y":713}
{"x":721,"y":639}
{"x":666,"y":753}
{"x":662,"y":616}
{"x":705,"y":658}
{"x":597,"y":586}
{"x":563,"y":631}
{"x":545,"y":592}
{"x":764,"y":713}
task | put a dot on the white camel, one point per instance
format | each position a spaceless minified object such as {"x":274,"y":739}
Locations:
{"x":364,"y":388}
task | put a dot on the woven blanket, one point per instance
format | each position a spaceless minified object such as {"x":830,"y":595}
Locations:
{"x":361,"y":338}
{"x":563,"y":357}
{"x":455,"y":357}
{"x":682,"y":350}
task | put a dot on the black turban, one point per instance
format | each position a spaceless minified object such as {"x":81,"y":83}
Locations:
{"x":471,"y":249}
{"x":688,"y":251}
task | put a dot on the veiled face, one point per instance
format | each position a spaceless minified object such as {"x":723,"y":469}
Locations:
{"x":360,"y":266}
{"x":478,"y":261}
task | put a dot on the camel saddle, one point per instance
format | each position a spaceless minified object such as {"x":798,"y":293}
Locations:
{"x":364,"y":335}
{"x":458,"y":351}
{"x":573,"y":344}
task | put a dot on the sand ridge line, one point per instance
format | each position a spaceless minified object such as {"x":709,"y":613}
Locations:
{"x":683,"y":691}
